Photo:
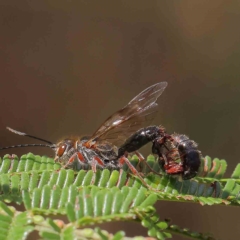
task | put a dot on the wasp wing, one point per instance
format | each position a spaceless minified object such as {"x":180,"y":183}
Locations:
{"x":123,"y":131}
{"x":122,"y":124}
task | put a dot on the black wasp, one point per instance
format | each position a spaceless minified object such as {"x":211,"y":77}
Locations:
{"x":178,"y":155}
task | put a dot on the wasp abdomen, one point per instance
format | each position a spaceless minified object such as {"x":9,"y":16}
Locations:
{"x":139,"y":139}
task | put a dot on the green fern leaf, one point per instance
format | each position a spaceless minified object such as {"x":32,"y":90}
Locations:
{"x":14,"y":225}
{"x":89,"y":198}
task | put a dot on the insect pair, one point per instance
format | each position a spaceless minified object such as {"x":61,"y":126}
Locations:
{"x":177,"y":154}
{"x":123,"y":133}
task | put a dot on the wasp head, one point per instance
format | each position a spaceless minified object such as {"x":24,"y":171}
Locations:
{"x":65,"y":148}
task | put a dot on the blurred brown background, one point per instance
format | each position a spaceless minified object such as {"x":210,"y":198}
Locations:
{"x":67,"y":65}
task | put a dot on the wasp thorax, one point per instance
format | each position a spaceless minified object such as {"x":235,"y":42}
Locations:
{"x":64,"y":147}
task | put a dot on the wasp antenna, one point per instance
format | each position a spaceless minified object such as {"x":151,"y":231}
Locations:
{"x":27,"y":135}
{"x":29,"y":145}
{"x":15,"y":131}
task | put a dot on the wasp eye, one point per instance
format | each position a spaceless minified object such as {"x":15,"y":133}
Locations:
{"x":61,"y":150}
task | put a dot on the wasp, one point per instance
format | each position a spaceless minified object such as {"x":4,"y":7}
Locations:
{"x":101,"y":150}
{"x":177,"y":154}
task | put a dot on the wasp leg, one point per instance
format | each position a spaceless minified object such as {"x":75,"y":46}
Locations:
{"x":80,"y":159}
{"x":214,"y":186}
{"x":98,"y":162}
{"x":126,"y":156}
{"x":173,"y":168}
{"x":94,"y":163}
{"x":120,"y":177}
{"x":142,"y":159}
{"x":133,"y":170}
{"x":56,"y":159}
{"x":94,"y":169}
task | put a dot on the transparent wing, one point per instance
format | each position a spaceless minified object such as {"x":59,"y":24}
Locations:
{"x":137,"y":113}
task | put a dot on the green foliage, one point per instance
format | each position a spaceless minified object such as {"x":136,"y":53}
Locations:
{"x":86,"y":198}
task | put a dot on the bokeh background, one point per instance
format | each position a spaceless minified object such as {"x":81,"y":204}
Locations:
{"x":65,"y":66}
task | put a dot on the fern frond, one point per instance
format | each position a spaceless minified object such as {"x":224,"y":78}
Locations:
{"x":33,"y":173}
{"x":88,"y":198}
{"x":90,"y":201}
{"x":185,"y":232}
{"x":14,"y":225}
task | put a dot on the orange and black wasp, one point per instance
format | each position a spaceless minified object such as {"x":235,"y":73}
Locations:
{"x":103,"y":149}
